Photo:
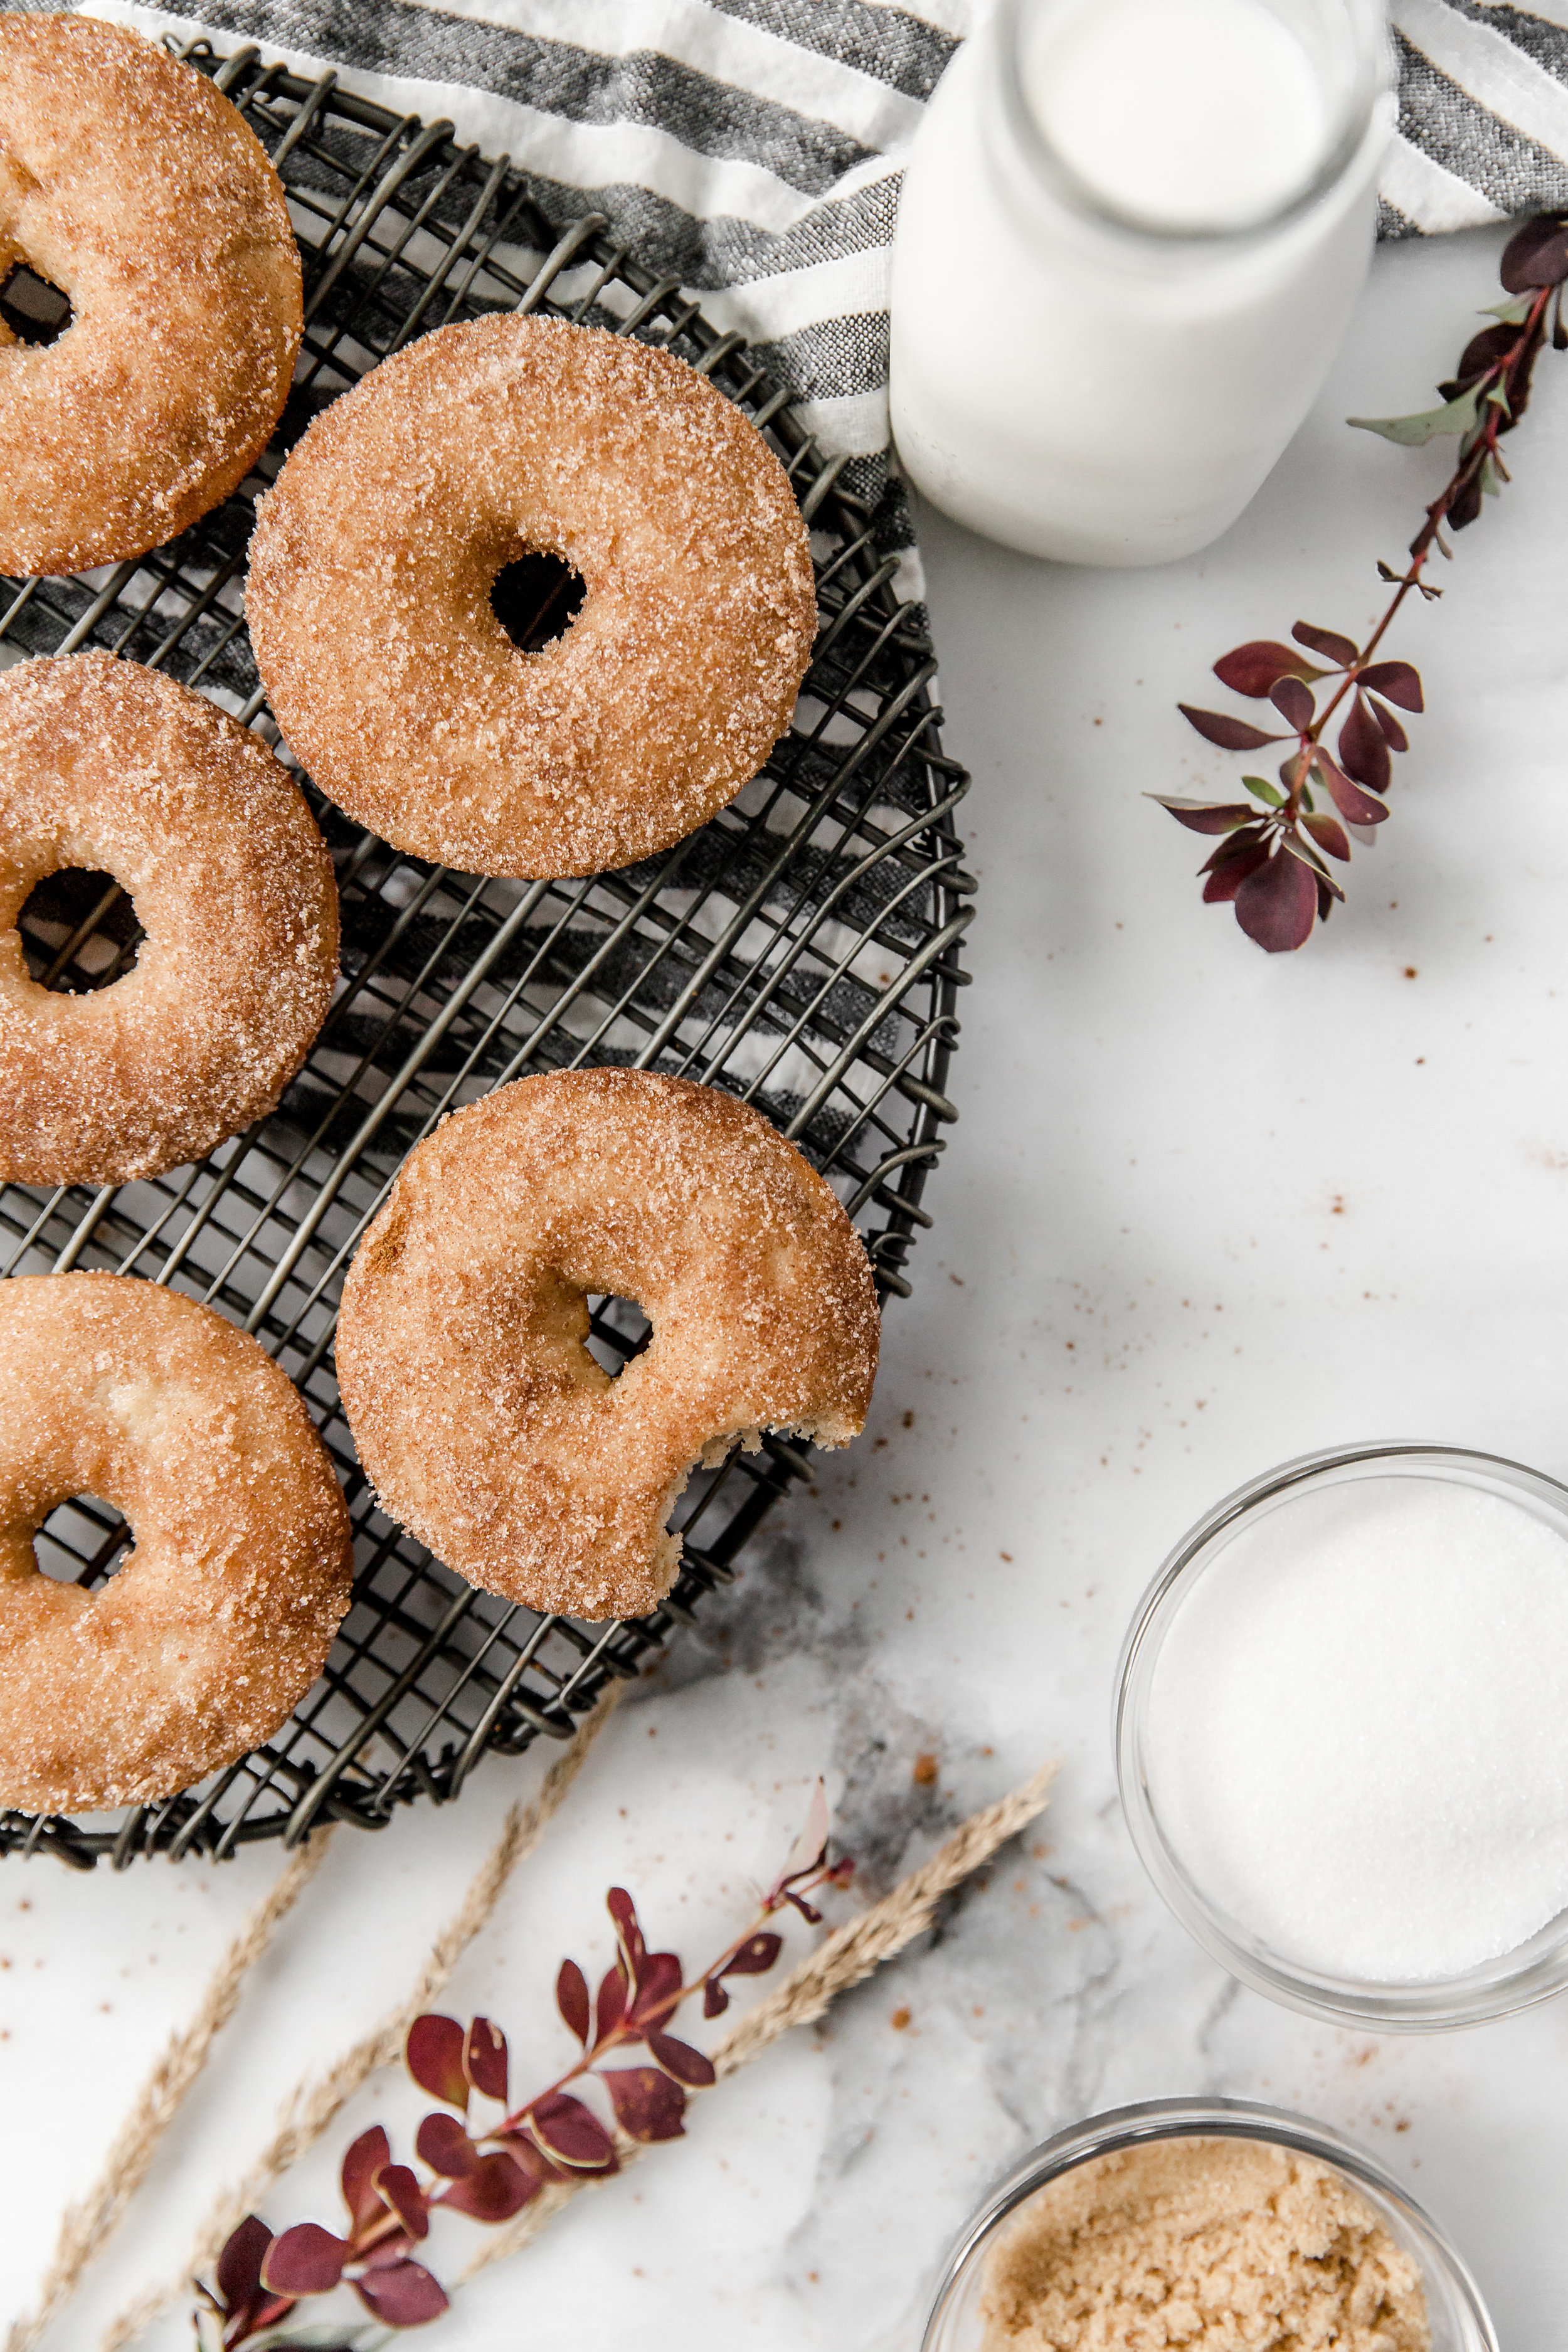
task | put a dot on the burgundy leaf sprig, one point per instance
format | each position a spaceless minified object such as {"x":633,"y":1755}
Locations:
{"x":490,"y":2169}
{"x":1270,"y":861}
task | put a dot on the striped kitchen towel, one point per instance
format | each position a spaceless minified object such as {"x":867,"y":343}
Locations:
{"x":1483,"y":115}
{"x":753,"y":148}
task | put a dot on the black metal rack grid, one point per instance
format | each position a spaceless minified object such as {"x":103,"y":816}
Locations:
{"x":801,"y":951}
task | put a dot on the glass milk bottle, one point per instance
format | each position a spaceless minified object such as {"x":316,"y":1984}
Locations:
{"x":1129,"y":238}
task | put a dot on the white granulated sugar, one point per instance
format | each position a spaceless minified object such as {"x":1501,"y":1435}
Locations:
{"x":1358,"y":1730}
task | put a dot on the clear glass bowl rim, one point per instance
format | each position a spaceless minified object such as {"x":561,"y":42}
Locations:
{"x":1213,"y":2118}
{"x":1516,"y":1981}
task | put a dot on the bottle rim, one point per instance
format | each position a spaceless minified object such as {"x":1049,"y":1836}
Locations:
{"x":1354,"y":124}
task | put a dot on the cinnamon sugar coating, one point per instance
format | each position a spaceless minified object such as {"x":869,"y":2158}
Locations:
{"x":105,"y":765}
{"x":138,"y":190}
{"x":369,"y":599}
{"x":218,"y":1622}
{"x":482,"y":1420}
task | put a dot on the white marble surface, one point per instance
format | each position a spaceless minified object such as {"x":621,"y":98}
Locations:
{"x":1204,"y":1211}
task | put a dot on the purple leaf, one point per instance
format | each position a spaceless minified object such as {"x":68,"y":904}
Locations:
{"x":1337,"y":649}
{"x":387,"y":2251}
{"x":534,"y":2165}
{"x":1235,"y":844}
{"x":433,"y":2056}
{"x":568,"y":2130}
{"x":1397,"y":681}
{"x":1294,"y":847}
{"x":1205,"y":816}
{"x":1294,"y":703}
{"x":399,"y":2185}
{"x":443,"y":2144}
{"x":1328,"y":835}
{"x":715,"y":2000}
{"x":1466,"y":507}
{"x":648,"y":2105}
{"x":1277,"y":903}
{"x":612,"y":2003}
{"x":484,"y":2057}
{"x":660,"y":1989}
{"x":1230,"y":734}
{"x":1364,"y":754}
{"x":1394,"y":734}
{"x":404,"y":2294}
{"x":572,"y":2000}
{"x":1535,"y":255}
{"x":1482,"y":351}
{"x":1355,"y":807}
{"x":305,"y":2260}
{"x":240,"y":2265}
{"x":364,"y":2159}
{"x":678,"y":2058}
{"x":755,"y":1956}
{"x":1230,"y":869}
{"x":1257,"y":668}
{"x":1516,"y":386}
{"x":494,"y":2190}
{"x":628,"y":1933}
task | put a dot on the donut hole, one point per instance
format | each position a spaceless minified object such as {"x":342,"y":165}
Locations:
{"x":619,"y":1330}
{"x":34,"y":310}
{"x":82,"y":1542}
{"x":79,"y":931}
{"x":536,"y":598}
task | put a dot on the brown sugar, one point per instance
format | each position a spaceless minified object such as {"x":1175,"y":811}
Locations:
{"x":1214,"y":2245}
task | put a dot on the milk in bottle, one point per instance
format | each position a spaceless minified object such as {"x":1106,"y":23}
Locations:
{"x":1129,"y":238}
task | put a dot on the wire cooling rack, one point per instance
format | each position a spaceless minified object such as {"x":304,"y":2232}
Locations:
{"x":801,"y":951}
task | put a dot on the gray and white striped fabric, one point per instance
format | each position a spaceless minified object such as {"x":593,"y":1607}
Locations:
{"x":753,"y":147}
{"x":1483,"y":115}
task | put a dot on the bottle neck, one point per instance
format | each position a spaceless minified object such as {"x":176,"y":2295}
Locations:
{"x":1183,"y":133}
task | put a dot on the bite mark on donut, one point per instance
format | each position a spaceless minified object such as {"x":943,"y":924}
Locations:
{"x":719,"y":1448}
{"x":482,"y":1420}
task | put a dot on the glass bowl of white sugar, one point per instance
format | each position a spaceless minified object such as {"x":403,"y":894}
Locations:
{"x":1342,"y":1735}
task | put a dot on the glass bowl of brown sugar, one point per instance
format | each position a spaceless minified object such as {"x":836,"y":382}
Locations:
{"x":1204,"y":2213}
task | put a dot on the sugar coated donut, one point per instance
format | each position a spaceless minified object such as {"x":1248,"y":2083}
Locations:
{"x":481,"y":1417}
{"x":107,"y":766}
{"x":219,"y":1621}
{"x":136,"y":188}
{"x":369,"y":599}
